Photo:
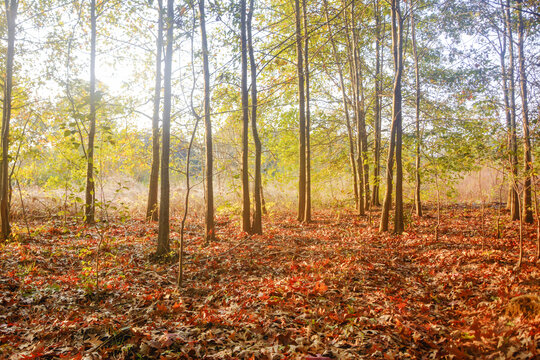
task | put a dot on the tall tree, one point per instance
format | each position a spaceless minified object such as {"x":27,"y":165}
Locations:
{"x":301,"y":114}
{"x":356,"y":103}
{"x":417,"y":200}
{"x":527,"y":212}
{"x":152,"y":207}
{"x":377,"y":106}
{"x":335,"y":53}
{"x":90,"y":193}
{"x":11,"y":7}
{"x":396,"y":129}
{"x":307,"y":211}
{"x":246,"y":218}
{"x":362,"y":144}
{"x":209,"y":217}
{"x":397,"y":27}
{"x":256,"y":225}
{"x":510,"y":104}
{"x":163,"y":246}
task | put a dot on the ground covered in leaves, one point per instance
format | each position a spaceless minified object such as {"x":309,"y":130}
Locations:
{"x":335,"y":287}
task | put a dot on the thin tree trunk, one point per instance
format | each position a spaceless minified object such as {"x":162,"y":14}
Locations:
{"x":246,"y":221}
{"x":256,"y":226}
{"x":301,"y":116}
{"x":527,"y":212}
{"x":210,"y":231}
{"x":152,"y":207}
{"x":362,"y":164}
{"x":506,"y":97}
{"x":399,"y":225}
{"x":90,"y":196}
{"x":356,"y":105}
{"x":417,"y":200}
{"x":513,"y":195}
{"x":362,"y":155}
{"x":11,"y":18}
{"x":395,"y":136}
{"x":163,"y":246}
{"x":377,"y":109}
{"x":345,"y":104}
{"x":307,"y":212}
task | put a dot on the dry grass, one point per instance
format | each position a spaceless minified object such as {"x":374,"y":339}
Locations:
{"x":124,"y":196}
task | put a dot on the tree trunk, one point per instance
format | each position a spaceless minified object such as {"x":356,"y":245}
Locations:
{"x":152,"y":207}
{"x":351,"y":47}
{"x":514,"y":201}
{"x":256,"y":226}
{"x":345,"y":104}
{"x":11,"y":17}
{"x":90,"y":194}
{"x":417,"y":199}
{"x":210,"y":231}
{"x":362,"y":135}
{"x":395,"y":136}
{"x":527,"y":212}
{"x":246,"y":218}
{"x":397,"y":23}
{"x":301,"y":116}
{"x":307,"y":212}
{"x":377,"y":109}
{"x":163,"y":234}
{"x":506,"y":97}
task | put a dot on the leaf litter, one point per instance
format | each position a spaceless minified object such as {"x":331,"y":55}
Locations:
{"x":335,"y":288}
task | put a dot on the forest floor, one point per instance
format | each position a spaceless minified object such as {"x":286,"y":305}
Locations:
{"x":335,"y":287}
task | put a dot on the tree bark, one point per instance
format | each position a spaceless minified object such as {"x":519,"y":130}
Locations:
{"x":417,"y":199}
{"x":210,"y":231}
{"x":246,"y":218}
{"x":307,"y":212}
{"x":397,"y":23}
{"x":527,"y":212}
{"x":512,"y":141}
{"x":90,"y":193}
{"x":375,"y":201}
{"x":345,"y":104}
{"x":351,"y":47}
{"x":163,"y":246}
{"x":361,"y":124}
{"x":256,"y":226}
{"x":301,"y":115}
{"x":11,"y":7}
{"x":152,"y":207}
{"x":396,"y":131}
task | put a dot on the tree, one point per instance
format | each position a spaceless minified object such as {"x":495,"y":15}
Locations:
{"x":357,"y":103}
{"x":345,"y":103}
{"x":246,"y":218}
{"x":152,"y":207}
{"x":510,"y":107}
{"x":11,"y":7}
{"x":307,"y":211}
{"x":301,"y":115}
{"x":379,"y":35}
{"x":362,"y":144}
{"x":90,"y":193}
{"x":527,"y":212}
{"x":417,"y":200}
{"x":210,"y":231}
{"x":256,"y":225}
{"x":396,"y":129}
{"x":163,"y":233}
